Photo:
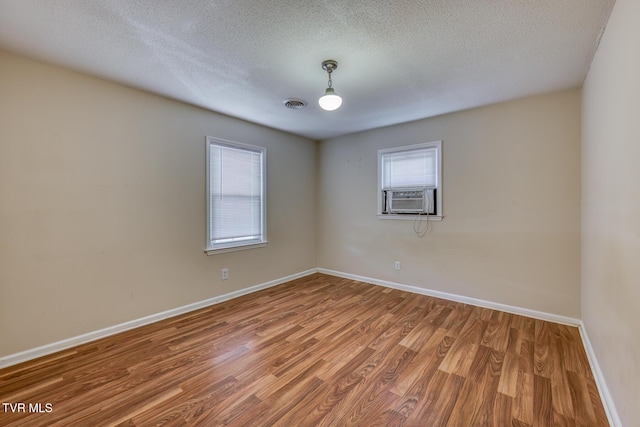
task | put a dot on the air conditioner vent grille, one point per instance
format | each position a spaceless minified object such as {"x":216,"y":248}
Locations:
{"x":409,"y":201}
{"x":294,"y":104}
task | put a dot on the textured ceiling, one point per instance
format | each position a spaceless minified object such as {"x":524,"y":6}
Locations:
{"x":398,"y":60}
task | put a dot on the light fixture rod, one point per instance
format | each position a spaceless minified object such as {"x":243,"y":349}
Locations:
{"x":329,"y":65}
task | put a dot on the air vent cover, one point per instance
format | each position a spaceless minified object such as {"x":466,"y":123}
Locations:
{"x":294,"y":104}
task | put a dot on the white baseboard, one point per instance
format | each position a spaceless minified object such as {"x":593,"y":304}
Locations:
{"x":14,"y":359}
{"x":605,"y":396}
{"x":459,"y":298}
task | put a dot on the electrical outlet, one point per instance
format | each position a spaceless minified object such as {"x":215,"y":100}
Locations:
{"x":396,"y":265}
{"x":225,"y":273}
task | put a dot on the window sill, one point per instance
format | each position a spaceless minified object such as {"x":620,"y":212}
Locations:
{"x":411,"y":217}
{"x":215,"y":251}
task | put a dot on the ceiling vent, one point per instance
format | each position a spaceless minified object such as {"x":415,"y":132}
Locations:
{"x":294,"y":104}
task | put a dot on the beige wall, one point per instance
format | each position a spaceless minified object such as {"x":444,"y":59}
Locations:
{"x":102,"y":208}
{"x":611,"y":208}
{"x":102,"y":205}
{"x":511,"y":196}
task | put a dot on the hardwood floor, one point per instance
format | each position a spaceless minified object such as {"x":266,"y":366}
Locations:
{"x":317,"y":351}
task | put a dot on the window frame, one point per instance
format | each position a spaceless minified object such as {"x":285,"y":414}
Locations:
{"x":438,"y":196}
{"x":240,"y":245}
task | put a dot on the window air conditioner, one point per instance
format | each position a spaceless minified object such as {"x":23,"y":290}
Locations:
{"x":409,"y":201}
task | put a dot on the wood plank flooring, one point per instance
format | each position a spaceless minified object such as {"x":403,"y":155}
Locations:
{"x":317,"y":351}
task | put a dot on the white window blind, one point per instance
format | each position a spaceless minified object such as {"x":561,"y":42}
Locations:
{"x":236,"y":195}
{"x":411,"y":168}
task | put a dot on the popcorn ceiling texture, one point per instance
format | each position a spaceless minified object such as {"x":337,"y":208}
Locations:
{"x":398,"y":61}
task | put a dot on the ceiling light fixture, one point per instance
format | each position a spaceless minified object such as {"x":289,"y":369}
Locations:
{"x":330,"y":100}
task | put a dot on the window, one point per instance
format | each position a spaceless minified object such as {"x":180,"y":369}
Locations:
{"x":236,"y":196}
{"x":410,"y":181}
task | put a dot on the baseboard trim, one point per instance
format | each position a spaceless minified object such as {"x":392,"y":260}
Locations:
{"x":459,"y":298}
{"x":603,"y":390}
{"x":34,"y":353}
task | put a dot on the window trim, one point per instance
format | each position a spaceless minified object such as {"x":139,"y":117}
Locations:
{"x":236,"y":246}
{"x":438,"y":199}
